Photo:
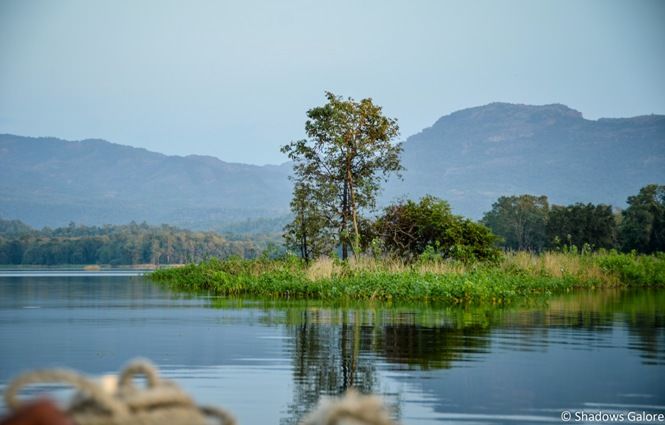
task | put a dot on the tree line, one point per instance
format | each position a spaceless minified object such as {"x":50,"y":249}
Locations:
{"x":114,"y":245}
{"x":408,"y":229}
{"x":528,"y":222}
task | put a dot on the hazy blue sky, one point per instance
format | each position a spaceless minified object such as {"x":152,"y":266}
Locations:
{"x":234,"y":79}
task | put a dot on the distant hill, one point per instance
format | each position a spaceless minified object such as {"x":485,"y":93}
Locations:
{"x":47,"y":181}
{"x":473,"y":156}
{"x":470,"y":158}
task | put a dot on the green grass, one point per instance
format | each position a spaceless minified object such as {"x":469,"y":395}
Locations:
{"x":516,"y":276}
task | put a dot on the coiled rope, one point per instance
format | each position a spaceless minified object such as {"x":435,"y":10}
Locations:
{"x":161,"y":402}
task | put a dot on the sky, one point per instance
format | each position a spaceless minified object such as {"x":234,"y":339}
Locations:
{"x":235,"y":79}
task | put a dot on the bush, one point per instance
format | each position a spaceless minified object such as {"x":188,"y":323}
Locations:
{"x":409,"y":230}
{"x":643,"y":270}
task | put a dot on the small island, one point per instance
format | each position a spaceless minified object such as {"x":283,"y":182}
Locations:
{"x":339,"y":248}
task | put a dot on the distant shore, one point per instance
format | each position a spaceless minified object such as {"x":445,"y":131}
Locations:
{"x":86,"y":267}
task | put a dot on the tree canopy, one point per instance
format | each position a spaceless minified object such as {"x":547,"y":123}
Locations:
{"x":308,"y":233}
{"x":408,"y":229}
{"x":528,"y":222}
{"x":338,"y":168}
{"x":582,"y":224}
{"x":643,"y":225}
{"x":520,"y":221}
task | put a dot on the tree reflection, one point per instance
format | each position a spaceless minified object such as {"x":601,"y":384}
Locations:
{"x":327,"y":351}
{"x":432,"y":347}
{"x":334,"y":350}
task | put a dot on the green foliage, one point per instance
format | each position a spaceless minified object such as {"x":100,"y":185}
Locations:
{"x":116,"y":245}
{"x":582,"y":225}
{"x":643,"y":224}
{"x":308,"y":233}
{"x":348,"y":153}
{"x":428,"y":229}
{"x":526,"y":222}
{"x":520,"y":221}
{"x":484,"y":283}
{"x":635,"y":269}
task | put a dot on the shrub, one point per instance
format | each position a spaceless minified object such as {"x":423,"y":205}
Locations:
{"x":410,"y":229}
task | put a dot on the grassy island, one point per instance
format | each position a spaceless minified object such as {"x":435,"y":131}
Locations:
{"x":515,"y":276}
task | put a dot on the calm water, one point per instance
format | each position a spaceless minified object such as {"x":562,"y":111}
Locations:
{"x":602,"y":351}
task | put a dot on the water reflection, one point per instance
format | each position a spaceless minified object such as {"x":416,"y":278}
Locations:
{"x":327,"y":358}
{"x":485,"y":365}
{"x":334,"y":348}
{"x":434,"y":338}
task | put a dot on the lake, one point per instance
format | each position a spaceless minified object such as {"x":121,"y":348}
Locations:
{"x":269,"y":362}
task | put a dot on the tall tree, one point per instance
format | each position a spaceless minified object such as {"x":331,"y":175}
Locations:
{"x":347,"y":153}
{"x":519,"y":220}
{"x":643,"y":225}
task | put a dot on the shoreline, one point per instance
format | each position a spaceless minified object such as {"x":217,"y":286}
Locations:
{"x":518,"y":276}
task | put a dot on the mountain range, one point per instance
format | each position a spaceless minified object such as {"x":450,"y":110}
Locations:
{"x":47,"y":181}
{"x":470,"y":158}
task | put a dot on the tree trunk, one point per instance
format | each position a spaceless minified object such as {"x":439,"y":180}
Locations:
{"x":345,"y":207}
{"x":356,"y":232}
{"x":303,"y":231}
